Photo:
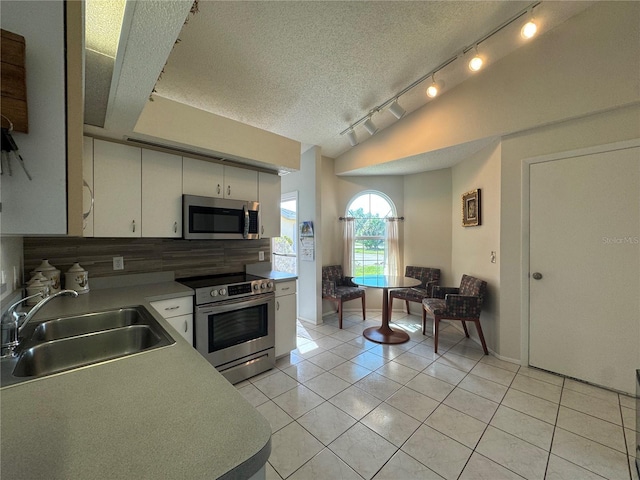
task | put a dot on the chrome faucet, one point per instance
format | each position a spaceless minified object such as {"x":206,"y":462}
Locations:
{"x":13,"y":322}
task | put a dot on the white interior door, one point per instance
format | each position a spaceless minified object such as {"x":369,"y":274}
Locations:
{"x":584,"y":318}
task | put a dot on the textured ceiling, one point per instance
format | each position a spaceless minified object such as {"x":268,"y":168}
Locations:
{"x":305,"y":70}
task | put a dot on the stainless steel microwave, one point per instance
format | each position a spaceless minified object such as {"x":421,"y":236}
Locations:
{"x":207,"y":218}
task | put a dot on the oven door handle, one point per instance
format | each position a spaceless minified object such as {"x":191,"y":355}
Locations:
{"x":226,"y":306}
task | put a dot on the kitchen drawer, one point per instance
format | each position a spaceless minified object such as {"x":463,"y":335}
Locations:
{"x":285,"y":288}
{"x":174,"y":306}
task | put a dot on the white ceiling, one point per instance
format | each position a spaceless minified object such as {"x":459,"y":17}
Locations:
{"x":308,"y":69}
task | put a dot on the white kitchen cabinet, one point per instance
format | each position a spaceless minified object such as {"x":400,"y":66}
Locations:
{"x":240,"y":184}
{"x":179,"y":313}
{"x":117,"y":176}
{"x":269,"y":198}
{"x":202,"y":178}
{"x":51,"y":202}
{"x":87,"y":192}
{"x":286,"y":316}
{"x":161,"y":194}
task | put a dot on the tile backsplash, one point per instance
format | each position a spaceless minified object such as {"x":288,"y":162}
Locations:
{"x":144,"y":255}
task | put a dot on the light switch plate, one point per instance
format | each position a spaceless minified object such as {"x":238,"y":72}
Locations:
{"x":261,"y":256}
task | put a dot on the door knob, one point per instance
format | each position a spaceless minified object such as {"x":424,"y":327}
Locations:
{"x":537,"y":276}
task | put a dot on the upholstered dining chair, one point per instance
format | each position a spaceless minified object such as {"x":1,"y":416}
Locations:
{"x":430,"y":278}
{"x":463,"y":303}
{"x":339,"y":289}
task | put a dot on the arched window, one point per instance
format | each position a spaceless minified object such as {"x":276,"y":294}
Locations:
{"x":370,"y":247}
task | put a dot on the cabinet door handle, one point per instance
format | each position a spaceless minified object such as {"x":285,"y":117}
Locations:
{"x":175,"y":227}
{"x":186,"y":326}
{"x":219,"y":189}
{"x":277,"y":305}
{"x":172,"y":308}
{"x":133,"y":224}
{"x":228,"y":189}
{"x":262,"y":229}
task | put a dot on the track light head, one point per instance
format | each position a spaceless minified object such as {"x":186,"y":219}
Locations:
{"x":370,"y":126}
{"x":351,"y":135}
{"x":396,"y":110}
{"x":475,"y":63}
{"x":529,"y":30}
{"x":435,"y":88}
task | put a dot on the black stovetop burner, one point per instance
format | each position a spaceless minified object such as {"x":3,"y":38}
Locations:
{"x":217,"y":280}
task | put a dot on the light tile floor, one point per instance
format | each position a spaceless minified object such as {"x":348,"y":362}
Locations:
{"x":342,"y":407}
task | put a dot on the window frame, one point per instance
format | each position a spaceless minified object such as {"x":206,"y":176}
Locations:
{"x":385,"y":237}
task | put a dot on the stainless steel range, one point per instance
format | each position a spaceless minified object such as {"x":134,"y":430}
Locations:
{"x":234,"y":323}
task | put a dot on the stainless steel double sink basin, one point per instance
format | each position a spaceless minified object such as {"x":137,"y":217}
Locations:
{"x":71,"y":342}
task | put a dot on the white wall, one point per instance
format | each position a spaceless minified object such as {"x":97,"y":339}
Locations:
{"x":471,"y":247}
{"x":589,"y":63}
{"x":427,"y":225}
{"x":306,"y":182}
{"x":38,"y":206}
{"x":174,"y":123}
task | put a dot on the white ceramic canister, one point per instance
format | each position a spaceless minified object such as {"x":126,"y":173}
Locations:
{"x":77,"y":278}
{"x":51,"y":273}
{"x":38,"y":283}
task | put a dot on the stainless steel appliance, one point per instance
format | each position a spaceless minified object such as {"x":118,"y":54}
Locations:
{"x":206,"y":218}
{"x":234,"y":323}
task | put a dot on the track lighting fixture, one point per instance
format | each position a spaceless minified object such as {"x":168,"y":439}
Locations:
{"x":370,"y":126}
{"x":476,"y":62}
{"x":434,"y":89}
{"x":397,"y":110}
{"x":528,"y":30}
{"x":351,"y":135}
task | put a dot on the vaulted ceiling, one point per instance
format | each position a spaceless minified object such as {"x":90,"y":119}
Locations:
{"x":305,"y":70}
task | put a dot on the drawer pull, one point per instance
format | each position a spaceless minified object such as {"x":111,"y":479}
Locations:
{"x":285,"y":288}
{"x":172,"y":308}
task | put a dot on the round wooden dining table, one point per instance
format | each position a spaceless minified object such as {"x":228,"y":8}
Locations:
{"x":384,"y":333}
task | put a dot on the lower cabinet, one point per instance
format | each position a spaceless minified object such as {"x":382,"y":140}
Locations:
{"x":286,"y":316}
{"x":179,"y":313}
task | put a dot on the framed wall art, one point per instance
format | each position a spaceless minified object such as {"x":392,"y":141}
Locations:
{"x":471,"y":208}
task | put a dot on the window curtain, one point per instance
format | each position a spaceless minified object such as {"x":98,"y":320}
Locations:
{"x":347,"y":256}
{"x":393,"y":245}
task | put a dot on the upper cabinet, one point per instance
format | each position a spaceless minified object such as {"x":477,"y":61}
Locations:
{"x":240,"y":184}
{"x":202,"y":178}
{"x":117,"y":177}
{"x":208,"y":179}
{"x":269,"y":198}
{"x":161,"y":194}
{"x":51,"y":202}
{"x":137,"y":192}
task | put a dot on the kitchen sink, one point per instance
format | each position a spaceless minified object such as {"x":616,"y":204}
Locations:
{"x":88,"y":323}
{"x":67,"y":343}
{"x":59,"y":355}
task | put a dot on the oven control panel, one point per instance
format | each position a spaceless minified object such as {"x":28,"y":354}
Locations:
{"x":237,"y":290}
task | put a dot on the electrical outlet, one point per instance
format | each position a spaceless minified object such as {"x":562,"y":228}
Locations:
{"x":261,"y":256}
{"x":118,"y":263}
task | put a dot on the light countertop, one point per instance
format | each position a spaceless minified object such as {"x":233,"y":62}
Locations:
{"x":165,"y":413}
